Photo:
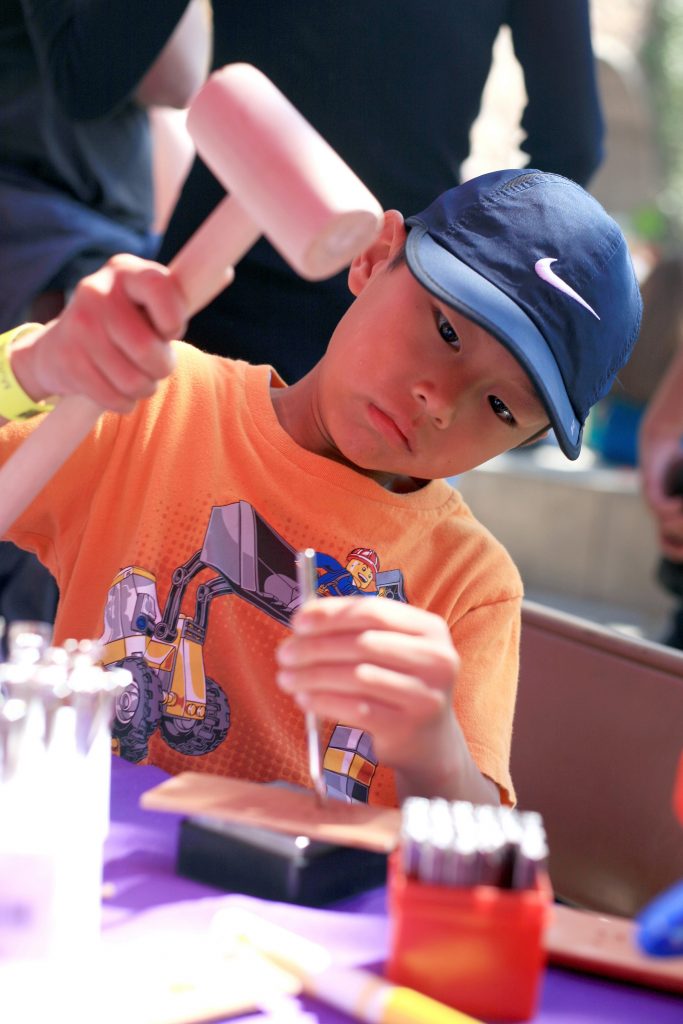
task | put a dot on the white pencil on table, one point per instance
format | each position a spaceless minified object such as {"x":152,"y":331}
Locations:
{"x":360,"y":993}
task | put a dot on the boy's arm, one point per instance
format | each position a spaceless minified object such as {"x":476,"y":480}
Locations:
{"x":110,"y":343}
{"x":389,"y":668}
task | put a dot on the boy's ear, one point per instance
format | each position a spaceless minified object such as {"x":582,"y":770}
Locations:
{"x":389,"y":241}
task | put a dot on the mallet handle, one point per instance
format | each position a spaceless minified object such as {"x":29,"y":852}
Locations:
{"x":30,"y":467}
{"x":205,"y":264}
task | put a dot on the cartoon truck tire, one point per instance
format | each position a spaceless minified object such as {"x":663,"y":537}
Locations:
{"x":137,"y":712}
{"x":199,"y":737}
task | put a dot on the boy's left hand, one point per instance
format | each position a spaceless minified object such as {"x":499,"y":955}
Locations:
{"x":383,"y":666}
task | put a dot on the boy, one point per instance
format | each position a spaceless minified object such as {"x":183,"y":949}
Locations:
{"x":506,"y":307}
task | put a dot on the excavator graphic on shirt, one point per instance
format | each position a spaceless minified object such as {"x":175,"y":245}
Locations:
{"x":163,"y":649}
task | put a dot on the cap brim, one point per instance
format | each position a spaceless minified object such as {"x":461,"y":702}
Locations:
{"x":458,"y":285}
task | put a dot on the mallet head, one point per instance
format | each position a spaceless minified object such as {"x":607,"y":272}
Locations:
{"x":294,"y":187}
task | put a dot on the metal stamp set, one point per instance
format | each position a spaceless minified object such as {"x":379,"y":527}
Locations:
{"x":469,"y":902}
{"x":461,"y":844}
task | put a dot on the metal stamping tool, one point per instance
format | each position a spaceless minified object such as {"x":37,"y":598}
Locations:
{"x":307,"y":578}
{"x":531,"y":856}
{"x":460,"y":844}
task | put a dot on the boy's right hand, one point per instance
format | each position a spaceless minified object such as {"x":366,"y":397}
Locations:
{"x":110,"y":342}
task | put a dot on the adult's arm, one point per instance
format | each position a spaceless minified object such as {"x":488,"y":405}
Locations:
{"x":563,"y":118}
{"x":95,"y":53}
{"x":660,"y":439}
{"x":183,"y":64}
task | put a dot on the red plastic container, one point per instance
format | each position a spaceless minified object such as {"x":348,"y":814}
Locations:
{"x":479,"y":950}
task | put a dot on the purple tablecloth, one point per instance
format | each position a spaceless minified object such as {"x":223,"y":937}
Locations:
{"x":146,"y":897}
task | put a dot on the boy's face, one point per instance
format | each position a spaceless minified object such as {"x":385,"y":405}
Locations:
{"x":410,"y":387}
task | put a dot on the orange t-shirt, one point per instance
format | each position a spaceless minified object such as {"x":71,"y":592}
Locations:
{"x":172,"y":533}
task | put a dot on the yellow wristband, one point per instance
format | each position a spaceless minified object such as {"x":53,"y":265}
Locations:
{"x":15,"y":404}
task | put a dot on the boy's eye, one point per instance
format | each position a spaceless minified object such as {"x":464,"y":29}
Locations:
{"x":501,"y":410}
{"x":448,"y":332}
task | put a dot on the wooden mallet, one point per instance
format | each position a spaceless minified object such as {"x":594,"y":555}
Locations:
{"x":284,"y":182}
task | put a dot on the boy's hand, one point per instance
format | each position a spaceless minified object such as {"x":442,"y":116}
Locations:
{"x":389,"y":668}
{"x":110,"y":343}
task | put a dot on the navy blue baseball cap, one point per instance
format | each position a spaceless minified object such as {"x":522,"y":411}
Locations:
{"x":536,"y":261}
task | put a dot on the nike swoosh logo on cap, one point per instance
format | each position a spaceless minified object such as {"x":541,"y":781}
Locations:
{"x":542,"y":268}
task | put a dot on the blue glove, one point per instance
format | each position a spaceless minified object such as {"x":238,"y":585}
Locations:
{"x":660,"y":925}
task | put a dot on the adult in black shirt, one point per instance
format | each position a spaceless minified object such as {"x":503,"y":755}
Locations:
{"x":75,"y":148}
{"x":395,"y":88}
{"x":75,"y":164}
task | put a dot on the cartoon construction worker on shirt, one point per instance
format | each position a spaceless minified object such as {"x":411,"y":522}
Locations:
{"x":356,"y":579}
